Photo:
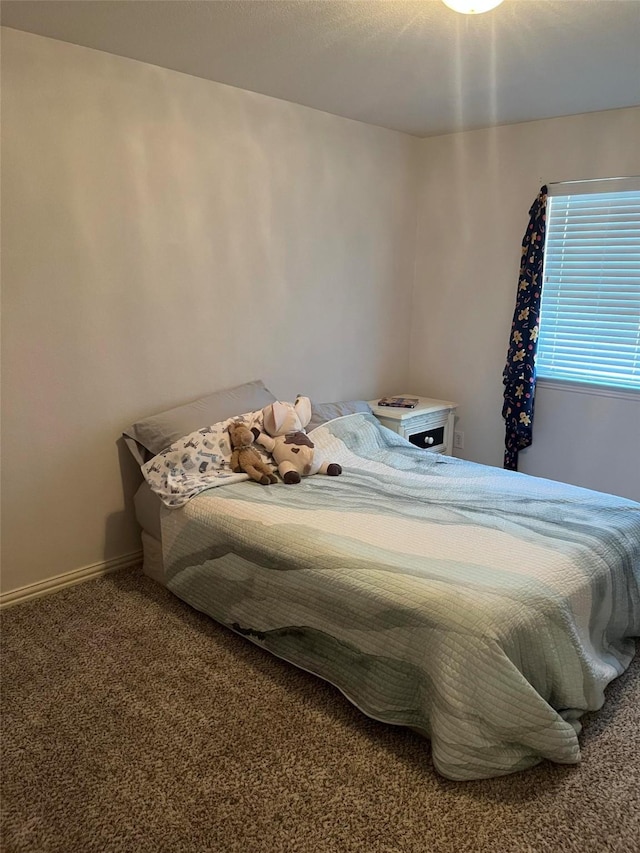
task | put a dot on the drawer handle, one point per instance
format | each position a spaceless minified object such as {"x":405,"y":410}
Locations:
{"x":428,"y":440}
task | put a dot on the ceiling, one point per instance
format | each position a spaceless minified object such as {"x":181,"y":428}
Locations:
{"x":409,"y":65}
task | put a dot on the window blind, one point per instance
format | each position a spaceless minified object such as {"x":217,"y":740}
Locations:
{"x":590,"y":307}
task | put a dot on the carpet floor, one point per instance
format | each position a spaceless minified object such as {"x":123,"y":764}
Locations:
{"x":132,"y":723}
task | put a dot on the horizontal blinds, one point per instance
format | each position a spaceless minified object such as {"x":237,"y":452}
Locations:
{"x":603,"y":185}
{"x":590,"y":310}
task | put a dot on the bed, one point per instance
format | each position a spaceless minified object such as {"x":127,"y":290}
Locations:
{"x":486,"y":609}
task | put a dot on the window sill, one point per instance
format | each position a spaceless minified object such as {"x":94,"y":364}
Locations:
{"x":584,"y":388}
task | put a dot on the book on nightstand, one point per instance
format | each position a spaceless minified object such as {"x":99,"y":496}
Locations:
{"x":399,"y":402}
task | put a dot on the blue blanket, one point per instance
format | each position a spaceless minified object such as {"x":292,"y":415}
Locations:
{"x":484,"y":608}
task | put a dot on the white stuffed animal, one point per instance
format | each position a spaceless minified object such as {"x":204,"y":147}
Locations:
{"x":284,"y":437}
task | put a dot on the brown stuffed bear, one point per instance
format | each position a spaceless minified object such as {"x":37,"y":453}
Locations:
{"x":245,"y":458}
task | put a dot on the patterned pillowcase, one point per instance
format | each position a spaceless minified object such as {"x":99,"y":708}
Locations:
{"x":198,"y":461}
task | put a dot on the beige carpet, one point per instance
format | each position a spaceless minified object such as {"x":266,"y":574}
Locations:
{"x":132,"y":723}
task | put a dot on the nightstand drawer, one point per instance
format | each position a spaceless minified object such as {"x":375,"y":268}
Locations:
{"x":431,"y":439}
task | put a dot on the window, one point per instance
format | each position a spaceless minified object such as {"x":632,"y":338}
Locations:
{"x":590,"y":308}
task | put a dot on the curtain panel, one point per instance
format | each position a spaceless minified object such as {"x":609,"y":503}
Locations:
{"x":519,"y":377}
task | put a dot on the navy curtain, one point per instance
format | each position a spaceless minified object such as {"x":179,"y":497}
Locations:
{"x":519,"y":377}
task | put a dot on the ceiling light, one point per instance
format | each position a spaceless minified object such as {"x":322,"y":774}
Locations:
{"x":471,"y":7}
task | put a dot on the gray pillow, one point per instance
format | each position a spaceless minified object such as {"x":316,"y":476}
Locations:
{"x":148,"y":437}
{"x":323,"y":412}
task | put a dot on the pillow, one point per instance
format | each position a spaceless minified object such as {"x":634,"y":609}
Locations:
{"x":323,"y":412}
{"x":148,"y":437}
{"x":198,"y":461}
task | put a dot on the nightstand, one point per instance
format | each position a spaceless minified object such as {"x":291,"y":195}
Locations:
{"x":429,"y":425}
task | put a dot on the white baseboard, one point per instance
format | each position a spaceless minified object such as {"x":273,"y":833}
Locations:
{"x":35,"y":590}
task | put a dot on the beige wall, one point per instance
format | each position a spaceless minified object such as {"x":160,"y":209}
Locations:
{"x":476,"y":189}
{"x":164,"y":236}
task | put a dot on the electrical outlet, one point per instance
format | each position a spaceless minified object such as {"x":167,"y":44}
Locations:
{"x":458,"y":440}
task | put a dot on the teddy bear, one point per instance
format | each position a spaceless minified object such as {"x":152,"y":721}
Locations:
{"x":284,"y":437}
{"x":244,"y":457}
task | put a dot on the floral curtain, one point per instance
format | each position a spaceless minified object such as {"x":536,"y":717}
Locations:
{"x":519,"y":377}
